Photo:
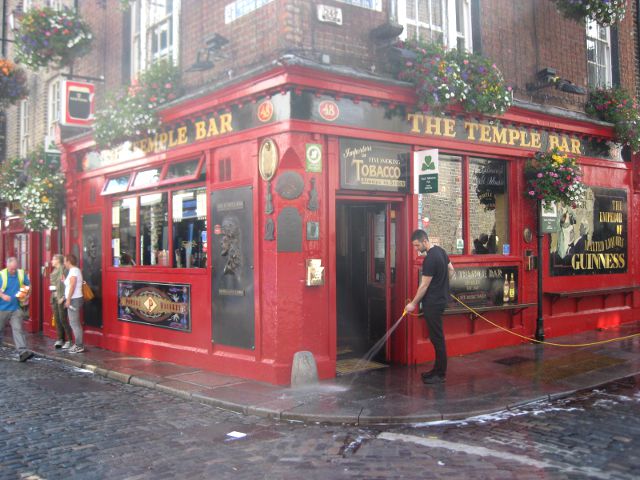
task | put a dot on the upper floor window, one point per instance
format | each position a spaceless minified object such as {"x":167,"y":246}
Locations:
{"x":26,"y":5}
{"x":56,"y":4}
{"x":53,"y":107}
{"x":154,"y":32}
{"x":444,"y":21}
{"x":23,"y":132}
{"x":598,"y":55}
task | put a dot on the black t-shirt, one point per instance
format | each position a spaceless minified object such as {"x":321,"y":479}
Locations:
{"x":436,"y":266}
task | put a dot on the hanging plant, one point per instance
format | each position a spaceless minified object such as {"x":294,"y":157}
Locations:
{"x":617,"y":106}
{"x":13,"y":179}
{"x":133,"y":113}
{"x":47,"y":36}
{"x":13,"y":83}
{"x":42,"y":196}
{"x":554,"y":176}
{"x":450,"y":77}
{"x":604,"y":12}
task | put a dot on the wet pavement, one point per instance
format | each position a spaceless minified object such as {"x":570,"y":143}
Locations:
{"x":480,"y":383}
{"x":62,"y":422}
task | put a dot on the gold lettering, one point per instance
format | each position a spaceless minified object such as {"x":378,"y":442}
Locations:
{"x":161,"y":140}
{"x":201,"y":130}
{"x":525,"y":139}
{"x":415,"y":118}
{"x":225,"y":123}
{"x":554,"y":141}
{"x":535,"y":140}
{"x":449,"y":127}
{"x":182,"y":135}
{"x":484,"y":133}
{"x":513,"y":136}
{"x":432,"y":125}
{"x":172,"y":141}
{"x":471,"y":128}
{"x":499,"y":135}
{"x":575,"y":146}
{"x":213,"y":128}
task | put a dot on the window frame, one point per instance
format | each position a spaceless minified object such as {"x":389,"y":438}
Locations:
{"x":599,"y":43}
{"x":465,"y":160}
{"x":170,"y":191}
{"x":23,"y":128}
{"x":450,"y":32}
{"x":163,"y":181}
{"x":142,"y":31}
{"x":53,"y":105}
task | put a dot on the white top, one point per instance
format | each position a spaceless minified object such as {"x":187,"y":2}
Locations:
{"x":77,"y":293}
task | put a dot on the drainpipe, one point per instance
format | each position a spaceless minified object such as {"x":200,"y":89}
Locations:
{"x":4,"y":28}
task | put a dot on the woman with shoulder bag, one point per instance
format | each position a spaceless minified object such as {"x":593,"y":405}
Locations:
{"x":74,"y":300}
{"x":56,"y":286}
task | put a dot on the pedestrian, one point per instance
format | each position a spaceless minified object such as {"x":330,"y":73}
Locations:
{"x":56,"y":286}
{"x":12,"y":281}
{"x":433,"y":291}
{"x":74,"y":300}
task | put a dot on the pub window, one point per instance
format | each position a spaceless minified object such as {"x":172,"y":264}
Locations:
{"x":189,"y":214}
{"x":598,"y":55}
{"x":154,"y":226}
{"x":443,"y":21}
{"x":116,"y":185}
{"x":488,"y":210}
{"x":442,"y":212}
{"x":146,"y":178}
{"x":183,"y":169}
{"x":478,"y":186}
{"x":124,"y":220}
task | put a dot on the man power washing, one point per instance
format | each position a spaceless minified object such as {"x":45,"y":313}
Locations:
{"x":434,"y":293}
{"x":11,"y":281}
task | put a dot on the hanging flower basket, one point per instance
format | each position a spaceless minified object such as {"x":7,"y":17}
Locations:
{"x":617,"y":106}
{"x":554,"y":176}
{"x":13,"y":179}
{"x":450,"y":77}
{"x":42,"y":197}
{"x":133,"y":113}
{"x":13,"y":83}
{"x":604,"y":12}
{"x":51,"y":37}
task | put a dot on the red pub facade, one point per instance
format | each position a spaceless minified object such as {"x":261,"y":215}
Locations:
{"x":273,"y":215}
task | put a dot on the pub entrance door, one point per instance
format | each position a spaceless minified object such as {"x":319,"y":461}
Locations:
{"x":370,"y":259}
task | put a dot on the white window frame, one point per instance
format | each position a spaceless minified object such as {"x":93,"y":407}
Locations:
{"x":53,"y":105}
{"x":26,"y":5}
{"x":143,"y":27}
{"x":449,"y":29}
{"x":600,"y":44}
{"x":56,"y":4}
{"x":23,"y":130}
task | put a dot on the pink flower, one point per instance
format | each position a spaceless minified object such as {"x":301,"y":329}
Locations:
{"x":532,"y":193}
{"x":539,"y":175}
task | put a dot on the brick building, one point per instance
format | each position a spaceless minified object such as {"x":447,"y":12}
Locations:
{"x":246,"y":233}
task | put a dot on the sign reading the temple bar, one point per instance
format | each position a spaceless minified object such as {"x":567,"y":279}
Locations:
{"x":77,"y":103}
{"x":484,"y":287}
{"x":165,"y":305}
{"x":367,"y":165}
{"x":592,"y":239}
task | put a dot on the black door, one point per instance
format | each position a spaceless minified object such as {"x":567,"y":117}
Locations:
{"x":92,"y":266}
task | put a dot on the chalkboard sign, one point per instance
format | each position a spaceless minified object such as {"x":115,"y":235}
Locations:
{"x":484,"y":287}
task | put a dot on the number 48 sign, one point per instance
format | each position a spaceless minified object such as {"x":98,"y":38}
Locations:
{"x":425,"y":171}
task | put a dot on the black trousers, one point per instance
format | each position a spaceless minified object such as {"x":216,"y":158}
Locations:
{"x":433,"y":316}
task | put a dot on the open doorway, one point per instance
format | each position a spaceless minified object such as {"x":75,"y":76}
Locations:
{"x":369,"y":292}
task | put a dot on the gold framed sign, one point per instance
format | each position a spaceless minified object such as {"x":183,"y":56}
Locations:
{"x":268,"y":158}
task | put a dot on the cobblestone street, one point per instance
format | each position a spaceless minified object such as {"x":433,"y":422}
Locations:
{"x":61,"y":422}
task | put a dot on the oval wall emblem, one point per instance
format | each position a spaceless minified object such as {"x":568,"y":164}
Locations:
{"x":265,"y":111}
{"x":329,"y":110}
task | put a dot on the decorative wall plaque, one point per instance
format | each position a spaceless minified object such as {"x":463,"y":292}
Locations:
{"x":289,"y":231}
{"x":313,"y":230}
{"x":290,"y":185}
{"x":268,"y":158}
{"x":268,"y":230}
{"x":313,"y":197}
